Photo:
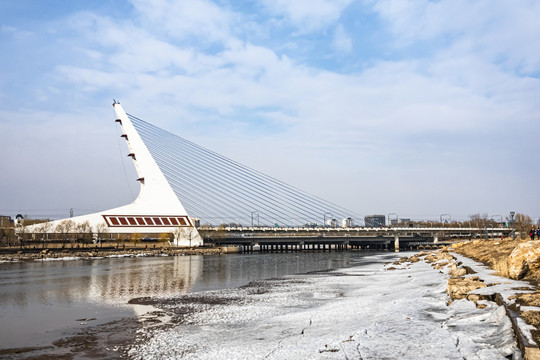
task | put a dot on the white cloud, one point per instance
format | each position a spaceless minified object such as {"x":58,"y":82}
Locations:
{"x":192,"y":19}
{"x":502,"y":31}
{"x":342,"y":40}
{"x":407,"y":129}
{"x":308,"y":15}
{"x":16,"y":33}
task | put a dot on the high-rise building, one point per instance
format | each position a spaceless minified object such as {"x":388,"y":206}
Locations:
{"x":375,"y":220}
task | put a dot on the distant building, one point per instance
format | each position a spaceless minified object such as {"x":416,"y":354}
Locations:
{"x":5,"y":222}
{"x":332,"y":223}
{"x":375,"y":220}
{"x":347,"y":222}
{"x":399,"y":221}
{"x":7,"y":230}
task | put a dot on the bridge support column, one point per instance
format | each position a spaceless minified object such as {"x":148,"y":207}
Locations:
{"x":396,"y":243}
{"x":435,"y":239}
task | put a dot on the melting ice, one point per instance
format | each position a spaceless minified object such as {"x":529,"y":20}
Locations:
{"x":363,"y":312}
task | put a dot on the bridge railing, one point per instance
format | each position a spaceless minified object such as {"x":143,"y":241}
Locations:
{"x":357,"y":229}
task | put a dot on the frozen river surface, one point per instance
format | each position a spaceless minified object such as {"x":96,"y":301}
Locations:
{"x":339,"y":305}
{"x":363,"y":312}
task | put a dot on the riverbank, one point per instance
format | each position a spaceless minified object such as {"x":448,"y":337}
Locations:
{"x":82,"y":307}
{"x":515,"y":259}
{"x":373,"y":305}
{"x":383,"y":307}
{"x":520,"y":260}
{"x":99,"y":252}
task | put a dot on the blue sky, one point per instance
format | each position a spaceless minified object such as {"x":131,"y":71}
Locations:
{"x":419,"y":108}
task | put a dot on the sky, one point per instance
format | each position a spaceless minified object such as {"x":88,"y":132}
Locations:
{"x":417,"y":108}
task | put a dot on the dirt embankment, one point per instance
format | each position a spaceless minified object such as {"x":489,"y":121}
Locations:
{"x":515,"y":259}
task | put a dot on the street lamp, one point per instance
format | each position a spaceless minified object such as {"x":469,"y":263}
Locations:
{"x":253,"y":213}
{"x":512,"y":213}
{"x":389,"y":218}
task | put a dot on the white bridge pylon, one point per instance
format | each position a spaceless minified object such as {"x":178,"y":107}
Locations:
{"x":157,"y":208}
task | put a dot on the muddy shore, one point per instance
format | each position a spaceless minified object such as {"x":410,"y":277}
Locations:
{"x":11,"y":255}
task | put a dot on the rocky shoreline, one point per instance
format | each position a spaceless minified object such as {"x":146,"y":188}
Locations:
{"x":522,"y":307}
{"x":97,"y":253}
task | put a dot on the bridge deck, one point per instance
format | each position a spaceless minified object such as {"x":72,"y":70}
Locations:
{"x":269,"y":239}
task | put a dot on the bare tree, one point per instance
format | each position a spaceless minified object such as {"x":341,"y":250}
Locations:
{"x":84,"y":231}
{"x":101,"y":230}
{"x":64,"y":228}
{"x":185,"y":233}
{"x":44,"y":229}
{"x":522,"y":224}
{"x":21,"y":232}
{"x":479,"y":220}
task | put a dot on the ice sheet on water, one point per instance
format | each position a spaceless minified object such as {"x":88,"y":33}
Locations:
{"x":65,"y":258}
{"x":360,"y":312}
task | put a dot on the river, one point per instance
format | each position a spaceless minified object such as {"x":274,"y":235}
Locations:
{"x":44,"y":301}
{"x":305,"y":305}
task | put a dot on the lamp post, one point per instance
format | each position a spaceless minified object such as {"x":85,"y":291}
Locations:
{"x":389,"y":218}
{"x":253,"y":213}
{"x":512,"y":213}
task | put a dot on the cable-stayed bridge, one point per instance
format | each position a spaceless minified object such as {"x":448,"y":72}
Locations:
{"x":218,"y":190}
{"x":181,"y":182}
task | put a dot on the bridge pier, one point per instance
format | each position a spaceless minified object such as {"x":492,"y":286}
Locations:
{"x":396,"y":243}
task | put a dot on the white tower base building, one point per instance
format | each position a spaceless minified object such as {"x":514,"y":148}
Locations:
{"x":157,"y":209}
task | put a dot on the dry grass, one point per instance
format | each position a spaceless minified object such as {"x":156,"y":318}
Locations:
{"x":531,"y":317}
{"x":527,"y":299}
{"x":501,"y":267}
{"x":494,"y":253}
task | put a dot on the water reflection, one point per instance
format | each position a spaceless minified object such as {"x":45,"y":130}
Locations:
{"x":41,"y":299}
{"x":169,"y":276}
{"x":108,"y":280}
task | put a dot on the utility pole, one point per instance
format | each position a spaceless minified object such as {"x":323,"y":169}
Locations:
{"x":512,"y":213}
